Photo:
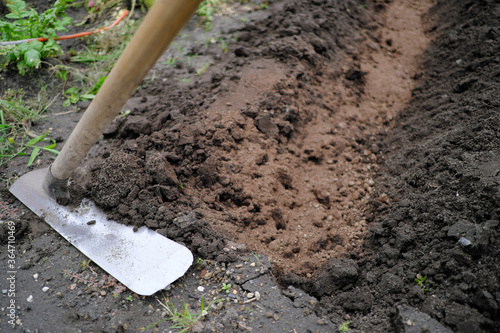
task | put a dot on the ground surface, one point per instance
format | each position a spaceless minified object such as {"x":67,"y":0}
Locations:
{"x":337,"y":151}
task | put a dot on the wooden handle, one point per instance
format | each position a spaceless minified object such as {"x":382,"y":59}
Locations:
{"x":159,"y":27}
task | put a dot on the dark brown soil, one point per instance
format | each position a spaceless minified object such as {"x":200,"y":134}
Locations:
{"x":354,"y":145}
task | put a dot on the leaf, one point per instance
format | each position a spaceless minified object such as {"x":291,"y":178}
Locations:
{"x":87,"y":96}
{"x":34,"y":154}
{"x":98,"y":84}
{"x":53,"y":151}
{"x":51,"y":145}
{"x":37,"y":45}
{"x":35,"y":140}
{"x":71,"y":90}
{"x":32,"y":58}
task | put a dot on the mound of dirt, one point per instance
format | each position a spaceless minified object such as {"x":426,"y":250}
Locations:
{"x":238,"y":149}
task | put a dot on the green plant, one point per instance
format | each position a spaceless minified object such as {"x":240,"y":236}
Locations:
{"x":129,"y":298}
{"x":28,"y":24}
{"x":16,"y":116}
{"x":206,"y":12}
{"x":224,"y":46}
{"x":124,"y":114}
{"x":183,"y":320}
{"x":73,"y":94}
{"x":423,"y":283}
{"x":106,"y":48}
{"x":226,"y":287}
{"x":203,"y":68}
{"x":85,"y":264}
{"x":61,"y":71}
{"x":256,"y":257}
{"x":264,"y":5}
{"x":344,"y":327}
{"x":101,"y":53}
{"x":171,"y":62}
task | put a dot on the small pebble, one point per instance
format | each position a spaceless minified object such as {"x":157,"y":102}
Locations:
{"x":30,"y":298}
{"x":200,"y":288}
{"x":103,"y":293}
{"x":321,"y":322}
{"x":257,"y":295}
{"x":35,"y":276}
{"x":464,"y":241}
{"x":269,"y":315}
{"x":250,"y":295}
{"x":45,"y":289}
{"x":276,"y":317}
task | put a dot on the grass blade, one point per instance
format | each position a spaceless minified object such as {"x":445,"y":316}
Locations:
{"x":34,"y":154}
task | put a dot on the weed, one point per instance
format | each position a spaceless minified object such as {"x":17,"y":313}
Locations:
{"x":424,"y":284}
{"x":73,"y":95}
{"x":28,"y":24}
{"x":344,"y":327}
{"x":16,"y":118}
{"x":61,"y":71}
{"x":85,"y":264}
{"x":102,"y":52}
{"x":264,"y":5}
{"x":123,"y":114}
{"x":226,"y":287}
{"x":92,"y":280}
{"x":224,"y":43}
{"x":8,"y":144}
{"x":129,"y":298}
{"x":183,"y":320}
{"x":203,"y":68}
{"x":207,"y":10}
{"x":171,"y":62}
{"x":256,"y":257}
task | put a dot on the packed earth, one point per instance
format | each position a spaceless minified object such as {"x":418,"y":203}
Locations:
{"x":333,"y":167}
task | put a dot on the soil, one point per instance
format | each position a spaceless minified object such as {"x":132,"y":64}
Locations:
{"x":340,"y":160}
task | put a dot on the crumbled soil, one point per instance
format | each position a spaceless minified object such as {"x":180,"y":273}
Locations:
{"x":335,"y":154}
